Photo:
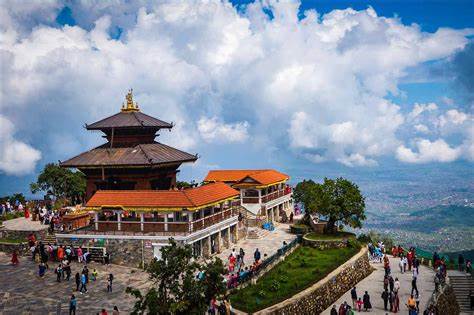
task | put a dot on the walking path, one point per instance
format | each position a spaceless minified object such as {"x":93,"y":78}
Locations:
{"x":23,"y":224}
{"x":373,"y":284}
{"x":23,"y":292}
{"x":269,"y":244}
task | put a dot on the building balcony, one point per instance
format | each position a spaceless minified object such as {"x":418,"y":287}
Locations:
{"x":159,"y":228}
{"x":268,"y":197}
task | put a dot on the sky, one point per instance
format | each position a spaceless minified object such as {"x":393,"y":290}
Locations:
{"x":333,"y":87}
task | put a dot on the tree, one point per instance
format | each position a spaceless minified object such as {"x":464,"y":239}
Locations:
{"x":339,"y":200}
{"x":61,"y":183}
{"x":176,"y":289}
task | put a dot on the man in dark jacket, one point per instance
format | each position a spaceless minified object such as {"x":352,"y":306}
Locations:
{"x":385,"y":297}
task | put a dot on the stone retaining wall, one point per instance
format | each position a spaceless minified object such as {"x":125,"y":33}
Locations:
{"x":445,"y":301}
{"x":324,"y":293}
{"x":126,"y":252}
{"x":21,"y":248}
{"x":22,"y":235}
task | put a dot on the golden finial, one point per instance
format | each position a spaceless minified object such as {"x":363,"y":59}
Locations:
{"x":130,"y":105}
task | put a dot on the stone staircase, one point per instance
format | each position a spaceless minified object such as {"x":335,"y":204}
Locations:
{"x":254,"y":233}
{"x":462,"y":285}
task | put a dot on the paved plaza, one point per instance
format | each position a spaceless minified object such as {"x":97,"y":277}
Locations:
{"x":23,"y":292}
{"x":268,"y":244}
{"x":23,"y":224}
{"x":374,"y":285}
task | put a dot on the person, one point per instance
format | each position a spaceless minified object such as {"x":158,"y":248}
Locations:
{"x":396,"y":303}
{"x":257,"y":255}
{"x":396,"y":285}
{"x":391,"y":283}
{"x":15,"y":260}
{"x":79,"y":254}
{"x":359,"y":304}
{"x":417,"y":300}
{"x":366,"y":299}
{"x":67,"y":270}
{"x":291,"y":217}
{"x":78,"y":281}
{"x":60,"y":253}
{"x":342,"y":309}
{"x":103,"y":312}
{"x":414,"y":288}
{"x":94,"y":275}
{"x":411,"y":304}
{"x":461,"y":262}
{"x":400,"y":264}
{"x":334,"y":310}
{"x":390,"y":300}
{"x":116,"y":311}
{"x":385,"y":283}
{"x":59,"y":273}
{"x":41,"y":270}
{"x":212,"y":306}
{"x":354,"y":296}
{"x":83,"y":288}
{"x":242,"y":254}
{"x":85,"y":271}
{"x":385,"y":296}
{"x":109,"y":282}
{"x":468,"y":266}
{"x":405,"y":263}
{"x":72,"y":305}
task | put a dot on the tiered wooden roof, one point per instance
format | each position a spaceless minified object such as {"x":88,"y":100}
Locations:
{"x":156,"y":200}
{"x":130,"y":119}
{"x":263,"y":177}
{"x":140,"y":155}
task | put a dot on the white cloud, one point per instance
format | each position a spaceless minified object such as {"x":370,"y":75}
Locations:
{"x":427,"y":151}
{"x":421,"y":128}
{"x":16,"y":157}
{"x":418,"y":109}
{"x":212,"y":130}
{"x":318,"y":85}
{"x":453,"y":116}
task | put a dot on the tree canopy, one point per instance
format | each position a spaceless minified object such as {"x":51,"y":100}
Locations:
{"x":339,"y":200}
{"x":176,"y":289}
{"x":61,"y":183}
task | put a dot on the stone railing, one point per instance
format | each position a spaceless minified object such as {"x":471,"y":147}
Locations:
{"x":321,"y":295}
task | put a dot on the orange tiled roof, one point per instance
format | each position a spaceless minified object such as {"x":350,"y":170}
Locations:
{"x":263,"y":177}
{"x":164,"y":199}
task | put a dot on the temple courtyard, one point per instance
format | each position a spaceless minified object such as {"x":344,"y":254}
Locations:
{"x":23,"y":292}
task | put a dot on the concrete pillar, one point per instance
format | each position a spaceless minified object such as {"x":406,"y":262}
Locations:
{"x":142,"y":220}
{"x":259,"y":196}
{"x":96,"y":221}
{"x":218,"y":242}
{"x":228,"y":237}
{"x":166,"y":222}
{"x":119,"y":220}
{"x":209,"y":243}
{"x":190,"y":220}
{"x":234,"y":237}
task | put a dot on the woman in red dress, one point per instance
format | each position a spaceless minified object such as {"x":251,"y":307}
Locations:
{"x":27,"y":213}
{"x":15,"y":260}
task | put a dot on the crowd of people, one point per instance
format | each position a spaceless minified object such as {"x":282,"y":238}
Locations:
{"x":62,"y":257}
{"x":408,"y":262}
{"x":238,"y":271}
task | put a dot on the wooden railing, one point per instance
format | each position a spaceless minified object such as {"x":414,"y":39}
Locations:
{"x":169,"y":227}
{"x":268,"y":197}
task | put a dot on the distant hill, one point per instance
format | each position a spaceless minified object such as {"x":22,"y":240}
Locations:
{"x":435,"y":218}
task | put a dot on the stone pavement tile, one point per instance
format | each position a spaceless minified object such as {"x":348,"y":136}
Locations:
{"x":267,"y":245}
{"x":374,"y":285}
{"x":29,"y":293}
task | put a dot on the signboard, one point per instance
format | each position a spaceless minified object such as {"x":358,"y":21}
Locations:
{"x":148,"y":244}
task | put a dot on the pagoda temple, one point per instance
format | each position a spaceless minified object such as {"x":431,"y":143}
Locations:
{"x":131,"y":159}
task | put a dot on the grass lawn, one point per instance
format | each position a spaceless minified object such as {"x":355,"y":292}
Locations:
{"x":329,"y":237}
{"x":302,"y":268}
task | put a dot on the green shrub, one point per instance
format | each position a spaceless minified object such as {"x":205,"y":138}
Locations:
{"x":275,"y":286}
{"x":353,"y":243}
